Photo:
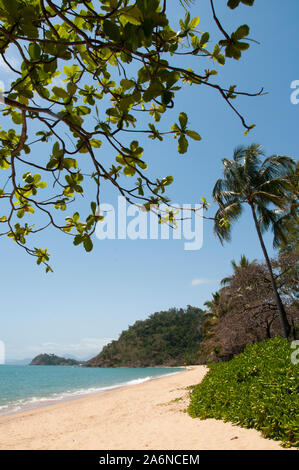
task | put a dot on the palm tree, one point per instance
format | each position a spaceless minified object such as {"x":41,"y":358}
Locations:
{"x":260,"y":184}
{"x":213,"y":313}
{"x":213,"y":304}
{"x":243,"y":263}
{"x":290,"y":219}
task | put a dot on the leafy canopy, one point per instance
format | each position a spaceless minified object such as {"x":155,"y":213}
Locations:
{"x":87,"y":71}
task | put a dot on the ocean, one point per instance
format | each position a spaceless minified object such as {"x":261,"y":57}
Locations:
{"x":27,"y":387}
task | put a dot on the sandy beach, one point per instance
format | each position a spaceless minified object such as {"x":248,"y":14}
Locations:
{"x":146,"y":416}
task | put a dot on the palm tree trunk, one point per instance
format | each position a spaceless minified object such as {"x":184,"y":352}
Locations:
{"x":285,"y":326}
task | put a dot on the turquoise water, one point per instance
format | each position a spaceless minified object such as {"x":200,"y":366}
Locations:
{"x":25,"y":387}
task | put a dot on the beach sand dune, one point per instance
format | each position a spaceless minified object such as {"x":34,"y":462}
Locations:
{"x":146,"y":416}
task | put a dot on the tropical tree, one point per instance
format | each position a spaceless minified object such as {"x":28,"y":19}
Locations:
{"x":248,"y":308}
{"x":96,"y":77}
{"x":213,"y":305}
{"x":212,"y":314}
{"x":290,"y":220}
{"x":243,"y":263}
{"x":262,"y":185}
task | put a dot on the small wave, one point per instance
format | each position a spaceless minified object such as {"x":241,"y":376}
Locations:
{"x":36,"y":401}
{"x":139,"y":381}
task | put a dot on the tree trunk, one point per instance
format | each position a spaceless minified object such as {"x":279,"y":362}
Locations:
{"x":285,"y":326}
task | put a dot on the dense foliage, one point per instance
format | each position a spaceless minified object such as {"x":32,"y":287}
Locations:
{"x":257,"y":389}
{"x":244,"y":311}
{"x":167,"y":338}
{"x":93,"y":77}
{"x":52,"y":360}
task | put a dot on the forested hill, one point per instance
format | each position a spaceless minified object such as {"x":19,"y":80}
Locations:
{"x":169,"y":338}
{"x":52,"y":360}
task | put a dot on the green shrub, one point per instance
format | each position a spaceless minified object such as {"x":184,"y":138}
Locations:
{"x":256,"y":389}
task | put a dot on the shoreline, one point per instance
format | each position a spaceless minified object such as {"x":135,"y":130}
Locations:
{"x":35,"y":403}
{"x":148,"y":415}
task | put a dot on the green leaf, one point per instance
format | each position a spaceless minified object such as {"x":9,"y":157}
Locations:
{"x":166,"y":97}
{"x":243,"y":46}
{"x":221,"y":59}
{"x":21,"y":213}
{"x":88,"y":245}
{"x":194,"y":135}
{"x":235,"y":3}
{"x":148,"y":26}
{"x":111,"y":30}
{"x":16,"y":117}
{"x":77,"y":240}
{"x":10,"y":7}
{"x":127,"y":84}
{"x":204,"y":39}
{"x":34,"y":51}
{"x":182,"y":144}
{"x":71,"y":88}
{"x":95,"y":143}
{"x":129,"y":171}
{"x":60,"y":92}
{"x":183,"y":118}
{"x":70,"y":71}
{"x":194,"y":22}
{"x":93,"y":206}
{"x":241,"y":32}
{"x":82,"y":110}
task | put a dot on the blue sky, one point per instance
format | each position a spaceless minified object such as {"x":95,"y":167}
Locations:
{"x":91,"y":298}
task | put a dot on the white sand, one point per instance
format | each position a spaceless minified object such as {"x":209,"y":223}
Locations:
{"x":141,"y":416}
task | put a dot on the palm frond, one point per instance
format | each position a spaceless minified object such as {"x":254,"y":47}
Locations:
{"x":244,"y":262}
{"x":187,"y":3}
{"x":252,"y":163}
{"x":222,"y":193}
{"x":279,"y":233}
{"x":283,"y":163}
{"x":239,"y":153}
{"x":264,"y":197}
{"x":222,"y":229}
{"x":232,"y":210}
{"x":274,"y":220}
{"x":220,"y":185}
{"x":273,"y":182}
{"x":233,"y":174}
{"x":226,"y":281}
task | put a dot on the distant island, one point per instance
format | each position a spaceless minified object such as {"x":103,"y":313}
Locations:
{"x":167,"y":338}
{"x":53,"y":360}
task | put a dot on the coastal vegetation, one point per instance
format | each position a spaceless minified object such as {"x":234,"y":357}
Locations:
{"x":52,"y":360}
{"x":166,"y":338}
{"x":244,"y":311}
{"x":251,"y":382}
{"x":259,"y":300}
{"x":89,"y":78}
{"x":263,"y":186}
{"x":258,"y":388}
